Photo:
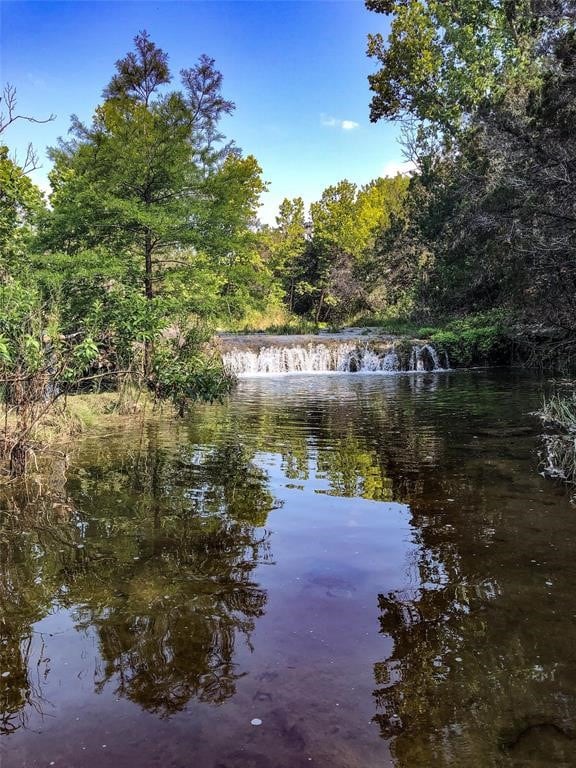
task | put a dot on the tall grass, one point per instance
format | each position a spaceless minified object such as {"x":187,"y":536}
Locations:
{"x":558,"y":414}
{"x":559,"y":409}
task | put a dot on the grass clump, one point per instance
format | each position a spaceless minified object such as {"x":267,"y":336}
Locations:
{"x":274,"y":321}
{"x":400,"y":326}
{"x":287,"y":326}
{"x":559,"y":409}
{"x":558,"y":414}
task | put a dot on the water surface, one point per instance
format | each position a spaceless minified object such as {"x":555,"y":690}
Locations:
{"x":371,"y":566}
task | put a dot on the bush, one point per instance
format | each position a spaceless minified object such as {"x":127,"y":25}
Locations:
{"x":183,"y":371}
{"x":426,"y":332}
{"x":474,"y":340}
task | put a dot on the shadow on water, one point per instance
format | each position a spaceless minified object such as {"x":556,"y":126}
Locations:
{"x":420,"y":611}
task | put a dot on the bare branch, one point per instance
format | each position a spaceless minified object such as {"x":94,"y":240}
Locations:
{"x":8,"y":113}
{"x":31,"y":161}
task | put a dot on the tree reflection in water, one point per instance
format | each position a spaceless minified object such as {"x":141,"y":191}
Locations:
{"x":28,"y":518}
{"x":159,"y":561}
{"x":154,"y":550}
{"x":473,"y":679}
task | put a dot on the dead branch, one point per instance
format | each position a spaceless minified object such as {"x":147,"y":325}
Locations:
{"x":9,"y":114}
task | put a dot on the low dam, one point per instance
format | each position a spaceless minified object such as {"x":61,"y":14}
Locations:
{"x":259,"y":354}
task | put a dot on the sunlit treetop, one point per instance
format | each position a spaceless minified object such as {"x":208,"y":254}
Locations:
{"x":140,"y":72}
{"x":443,"y":59}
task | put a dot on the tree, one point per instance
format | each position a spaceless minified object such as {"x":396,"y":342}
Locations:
{"x":9,"y":115}
{"x":333,"y":246}
{"x":20,"y":203}
{"x":140,"y":73}
{"x":226,"y":233}
{"x":20,"y":200}
{"x":136,"y":181}
{"x":289,"y":245}
{"x":376,"y":204}
{"x":443,"y":60}
{"x":489,"y":219}
{"x":345,"y":223}
{"x":527,"y":198}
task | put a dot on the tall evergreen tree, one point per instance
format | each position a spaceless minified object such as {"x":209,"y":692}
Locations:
{"x":137,"y":183}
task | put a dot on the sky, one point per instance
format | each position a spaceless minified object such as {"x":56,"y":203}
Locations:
{"x":296,"y":70}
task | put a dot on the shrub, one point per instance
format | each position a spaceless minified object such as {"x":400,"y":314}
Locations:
{"x":474,"y":340}
{"x":183,"y":371}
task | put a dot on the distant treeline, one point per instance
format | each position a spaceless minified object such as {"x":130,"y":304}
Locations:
{"x":486,"y":95}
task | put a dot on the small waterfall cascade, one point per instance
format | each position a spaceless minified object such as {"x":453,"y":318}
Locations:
{"x":259,"y":356}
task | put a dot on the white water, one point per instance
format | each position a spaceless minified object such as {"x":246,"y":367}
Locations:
{"x":317,"y":357}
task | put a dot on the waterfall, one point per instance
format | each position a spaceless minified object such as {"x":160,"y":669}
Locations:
{"x":252,"y":356}
{"x":424,"y":358}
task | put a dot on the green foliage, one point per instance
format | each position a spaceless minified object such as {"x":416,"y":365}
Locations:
{"x":31,"y":341}
{"x":488,"y":219}
{"x":86,"y":352}
{"x":147,"y":194}
{"x":20,"y":204}
{"x":474,"y":340}
{"x":321,"y":264}
{"x":5,"y":355}
{"x":294,"y":327}
{"x":124,"y":321}
{"x":182,"y":372}
{"x":286,"y":245}
{"x":19,"y":305}
{"x":443,"y":60}
{"x":149,"y":235}
{"x":426,"y":332}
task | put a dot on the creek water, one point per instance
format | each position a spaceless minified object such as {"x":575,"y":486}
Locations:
{"x":336,"y":571}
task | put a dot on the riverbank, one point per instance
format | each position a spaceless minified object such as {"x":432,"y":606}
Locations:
{"x":477,"y":341}
{"x":75,"y":415}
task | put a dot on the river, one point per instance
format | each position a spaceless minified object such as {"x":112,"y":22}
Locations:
{"x":329,"y":571}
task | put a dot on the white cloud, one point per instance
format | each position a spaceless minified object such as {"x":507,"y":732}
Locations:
{"x":335,"y":122}
{"x":393,"y":167}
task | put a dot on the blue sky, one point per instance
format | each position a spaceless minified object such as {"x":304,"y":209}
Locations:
{"x":296,"y":70}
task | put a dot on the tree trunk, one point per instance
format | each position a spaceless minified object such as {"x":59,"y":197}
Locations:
{"x":321,"y":301}
{"x":149,"y":292}
{"x":18,"y":460}
{"x":148,"y":287}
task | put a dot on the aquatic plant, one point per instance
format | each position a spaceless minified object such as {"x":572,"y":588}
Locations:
{"x":558,"y":414}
